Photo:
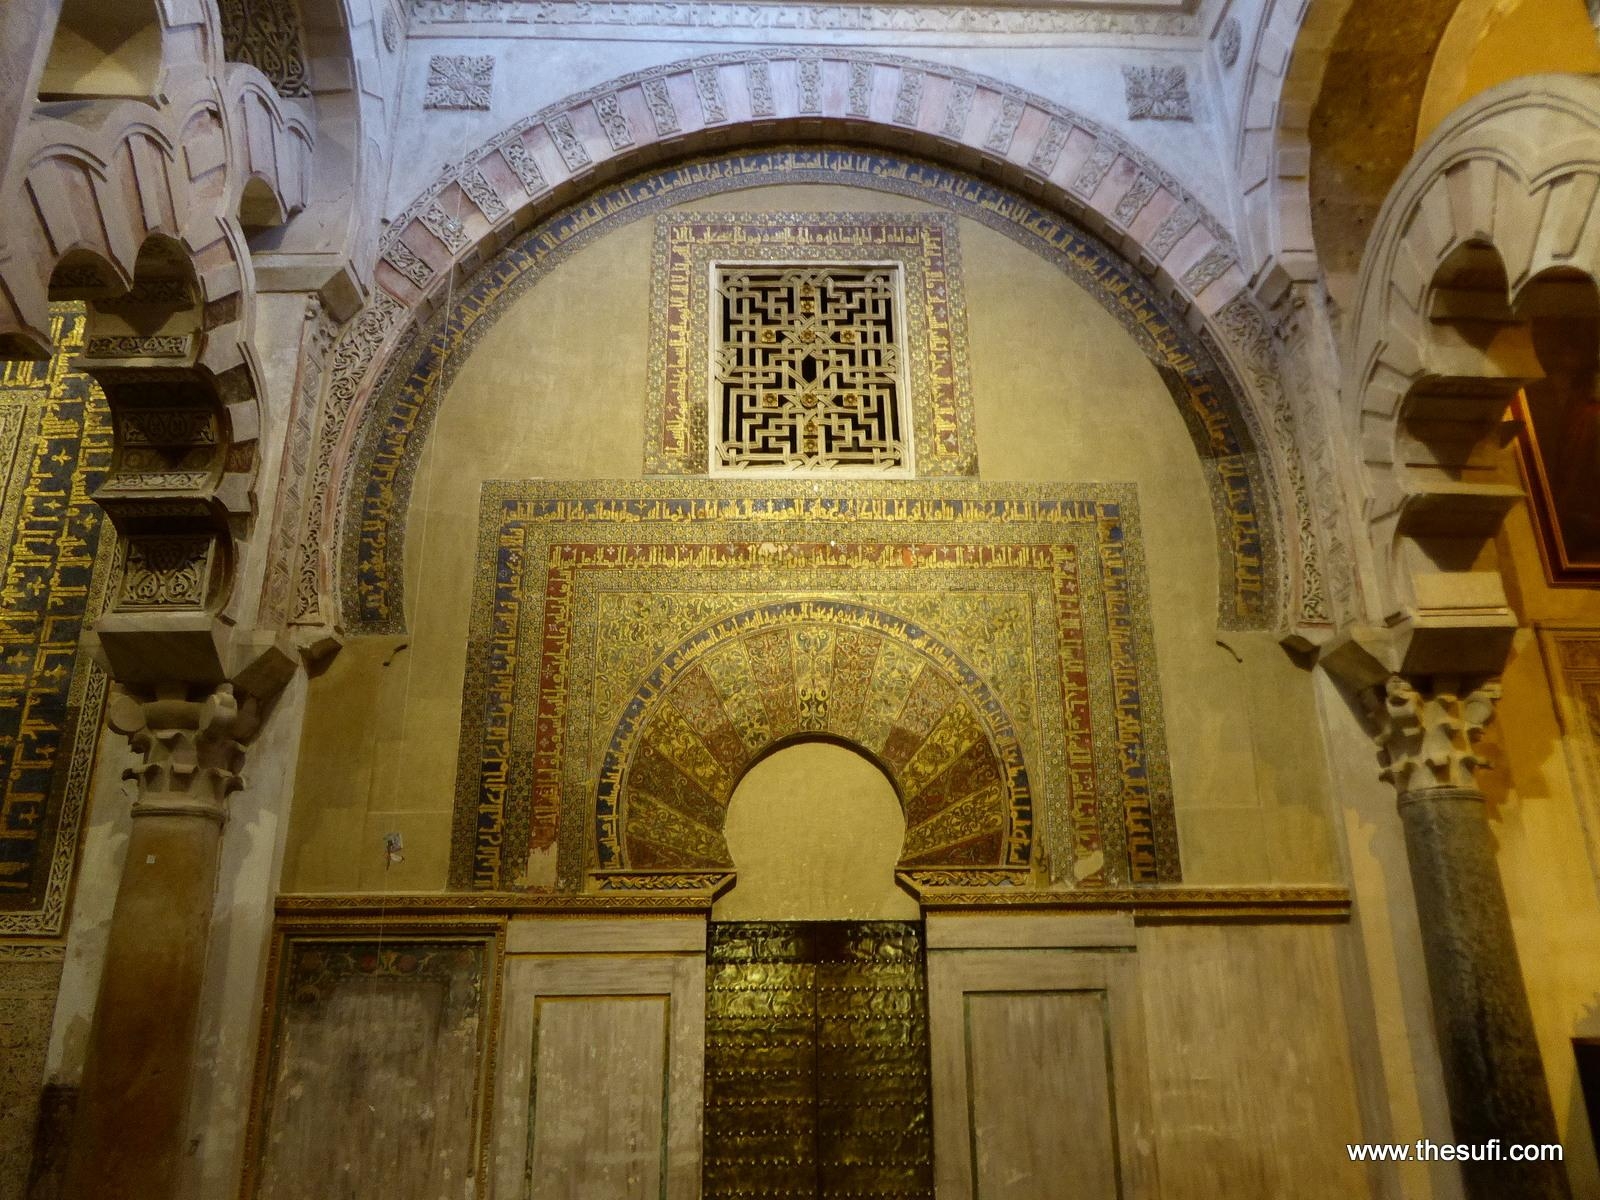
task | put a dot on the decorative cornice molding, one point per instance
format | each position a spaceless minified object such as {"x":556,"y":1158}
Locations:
{"x":1268,"y":903}
{"x":536,"y":18}
{"x":1309,"y":902}
{"x":415,"y":905}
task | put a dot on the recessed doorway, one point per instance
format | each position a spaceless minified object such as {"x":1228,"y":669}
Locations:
{"x":817,"y":1070}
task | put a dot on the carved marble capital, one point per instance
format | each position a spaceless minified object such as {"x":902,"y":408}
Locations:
{"x":193,"y":745}
{"x":1429,"y":739}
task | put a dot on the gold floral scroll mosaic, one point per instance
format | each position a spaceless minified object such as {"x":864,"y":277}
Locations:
{"x":777,"y":671}
{"x":634,"y":646}
{"x":688,"y":247}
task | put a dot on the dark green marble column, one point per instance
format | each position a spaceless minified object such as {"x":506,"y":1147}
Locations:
{"x":1492,"y":1069}
{"x":1493,"y":1074}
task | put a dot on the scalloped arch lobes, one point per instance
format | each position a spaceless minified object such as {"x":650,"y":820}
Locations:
{"x":768,"y":678}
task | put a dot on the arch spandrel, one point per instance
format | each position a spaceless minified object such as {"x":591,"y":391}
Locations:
{"x":1195,"y":299}
{"x":763,"y":678}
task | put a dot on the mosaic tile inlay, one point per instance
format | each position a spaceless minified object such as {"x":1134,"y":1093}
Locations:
{"x":55,"y":446}
{"x":635,"y":646}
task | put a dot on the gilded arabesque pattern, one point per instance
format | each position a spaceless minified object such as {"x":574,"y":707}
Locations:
{"x":595,"y":601}
{"x":777,"y":671}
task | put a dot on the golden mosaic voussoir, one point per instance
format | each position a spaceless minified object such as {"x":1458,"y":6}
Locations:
{"x":767,"y":612}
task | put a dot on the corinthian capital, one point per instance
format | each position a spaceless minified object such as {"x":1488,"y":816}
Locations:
{"x":193,"y":747}
{"x":1428,"y":741}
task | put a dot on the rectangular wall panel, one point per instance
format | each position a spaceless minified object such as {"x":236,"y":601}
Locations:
{"x":1039,"y":1069}
{"x":599,"y":1080}
{"x":1040,"y":1096}
{"x":373,"y":1083}
{"x":1252,"y":1076}
{"x":599,"y":1096}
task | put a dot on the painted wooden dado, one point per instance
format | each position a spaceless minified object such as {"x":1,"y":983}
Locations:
{"x":557,"y":1056}
{"x":1038,"y":1047}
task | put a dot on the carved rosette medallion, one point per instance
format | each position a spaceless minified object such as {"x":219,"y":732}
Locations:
{"x":1157,"y":93}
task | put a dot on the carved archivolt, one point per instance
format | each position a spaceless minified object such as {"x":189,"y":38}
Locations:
{"x":93,"y":194}
{"x":1286,"y":54}
{"x":1081,"y":169}
{"x":139,"y":210}
{"x":1252,"y":548}
{"x":1511,"y":175}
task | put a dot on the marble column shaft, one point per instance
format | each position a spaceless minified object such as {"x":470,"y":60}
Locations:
{"x":127,"y":1139}
{"x":1494,"y":1076}
{"x":128,"y":1131}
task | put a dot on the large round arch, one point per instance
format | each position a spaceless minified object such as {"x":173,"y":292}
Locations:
{"x":1013,"y":160}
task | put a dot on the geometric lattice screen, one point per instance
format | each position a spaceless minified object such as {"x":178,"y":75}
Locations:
{"x":808,"y":370}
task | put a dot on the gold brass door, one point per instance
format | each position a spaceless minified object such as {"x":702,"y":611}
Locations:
{"x":817,"y":1082}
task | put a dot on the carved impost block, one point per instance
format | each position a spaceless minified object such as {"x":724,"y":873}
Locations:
{"x":1365,"y":656}
{"x":193,"y":747}
{"x":1429,"y":741}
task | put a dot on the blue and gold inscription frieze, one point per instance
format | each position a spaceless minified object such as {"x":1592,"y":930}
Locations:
{"x":55,"y":444}
{"x":635,"y":646}
{"x":407,"y":395}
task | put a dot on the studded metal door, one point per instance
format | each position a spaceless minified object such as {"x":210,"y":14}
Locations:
{"x":817,"y":1082}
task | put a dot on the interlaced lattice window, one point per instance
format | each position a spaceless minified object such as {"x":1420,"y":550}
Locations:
{"x":808,"y":369}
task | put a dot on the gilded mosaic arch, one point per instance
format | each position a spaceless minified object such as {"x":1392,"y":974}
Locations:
{"x":1253,"y":579}
{"x":597,"y":605}
{"x":884,"y":684}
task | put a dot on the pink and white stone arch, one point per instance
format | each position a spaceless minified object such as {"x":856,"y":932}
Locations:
{"x":978,"y":125}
